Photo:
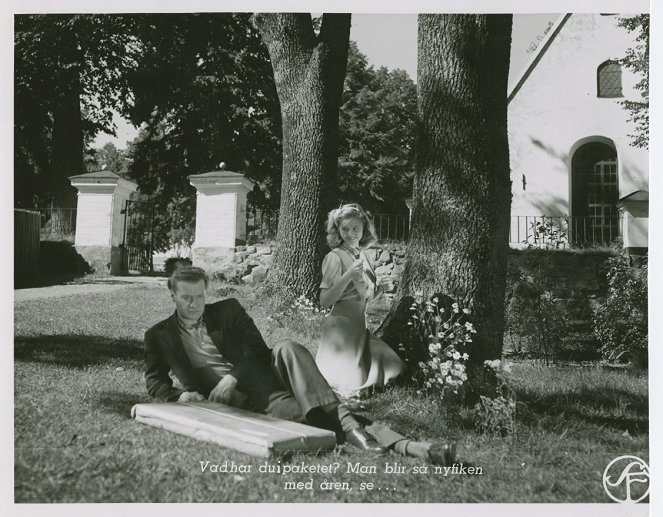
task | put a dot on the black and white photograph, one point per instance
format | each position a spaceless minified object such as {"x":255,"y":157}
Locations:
{"x":369,"y":254}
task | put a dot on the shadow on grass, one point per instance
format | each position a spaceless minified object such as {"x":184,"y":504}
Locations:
{"x":611,"y":407}
{"x":120,"y":402}
{"x":76,"y":351}
{"x":59,"y":263}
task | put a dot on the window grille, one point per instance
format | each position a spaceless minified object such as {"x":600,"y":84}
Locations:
{"x":609,"y":79}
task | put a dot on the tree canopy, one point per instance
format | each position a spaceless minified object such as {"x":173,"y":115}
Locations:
{"x":203,"y":94}
{"x":637,"y":60}
{"x":377,"y":134}
{"x":69,"y":77}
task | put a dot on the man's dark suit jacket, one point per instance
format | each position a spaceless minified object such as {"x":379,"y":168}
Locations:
{"x":235,"y":336}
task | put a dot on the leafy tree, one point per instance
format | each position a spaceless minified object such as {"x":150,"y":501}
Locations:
{"x":309,"y":70}
{"x":109,"y":158}
{"x":377,"y":130}
{"x":204,"y":94}
{"x":462,"y":192}
{"x":637,"y":60}
{"x":68,"y":81}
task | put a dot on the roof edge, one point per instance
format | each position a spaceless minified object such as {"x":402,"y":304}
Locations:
{"x":537,"y":55}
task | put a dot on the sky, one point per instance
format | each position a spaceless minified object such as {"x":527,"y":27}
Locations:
{"x":390,"y":40}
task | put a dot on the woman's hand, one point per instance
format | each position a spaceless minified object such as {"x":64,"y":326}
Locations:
{"x":356,"y":270}
{"x":385,"y":283}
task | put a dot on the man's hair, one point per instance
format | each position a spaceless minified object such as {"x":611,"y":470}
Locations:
{"x":187,"y":274}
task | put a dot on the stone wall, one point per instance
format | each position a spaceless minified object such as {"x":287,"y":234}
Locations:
{"x":246,"y":264}
{"x":250,"y":264}
{"x":576,"y":279}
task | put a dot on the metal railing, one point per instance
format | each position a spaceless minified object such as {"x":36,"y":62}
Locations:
{"x":261,"y":225}
{"x":560,"y":232}
{"x":57,"y":224}
{"x":392,"y":227}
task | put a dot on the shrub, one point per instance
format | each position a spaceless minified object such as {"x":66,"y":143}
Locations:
{"x":535,"y":322}
{"x":620,"y":323}
{"x":446,"y":330}
{"x":299,"y":315}
{"x":497,"y":414}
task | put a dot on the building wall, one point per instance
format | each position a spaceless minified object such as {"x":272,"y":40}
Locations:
{"x":557,"y":109}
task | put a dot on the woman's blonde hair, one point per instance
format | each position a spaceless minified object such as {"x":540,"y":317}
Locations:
{"x":335,"y":217}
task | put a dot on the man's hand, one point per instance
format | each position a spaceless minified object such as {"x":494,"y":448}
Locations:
{"x":190,"y":396}
{"x":224,"y":390}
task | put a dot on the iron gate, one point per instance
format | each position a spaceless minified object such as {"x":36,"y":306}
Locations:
{"x":138,"y":237}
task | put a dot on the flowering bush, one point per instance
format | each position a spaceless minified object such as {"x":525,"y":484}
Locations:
{"x":497,"y":415}
{"x":300,"y":315}
{"x":447,"y":333}
{"x":308,"y":309}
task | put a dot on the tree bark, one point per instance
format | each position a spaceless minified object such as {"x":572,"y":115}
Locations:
{"x":67,"y":145}
{"x":462,"y":192}
{"x":309,"y":70}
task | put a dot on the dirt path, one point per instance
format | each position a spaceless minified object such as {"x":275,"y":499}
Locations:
{"x":97,"y":285}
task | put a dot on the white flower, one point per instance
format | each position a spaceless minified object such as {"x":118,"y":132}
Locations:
{"x":456,"y":355}
{"x":465,"y":356}
{"x":469,"y":327}
{"x":455,"y":307}
{"x":466,"y":311}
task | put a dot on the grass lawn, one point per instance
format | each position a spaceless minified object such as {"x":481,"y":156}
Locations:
{"x":79,"y":369}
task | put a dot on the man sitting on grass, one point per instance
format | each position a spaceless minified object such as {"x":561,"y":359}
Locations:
{"x":218,"y":354}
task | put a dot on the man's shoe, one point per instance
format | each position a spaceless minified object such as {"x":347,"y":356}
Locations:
{"x":360,"y":439}
{"x":443,"y":454}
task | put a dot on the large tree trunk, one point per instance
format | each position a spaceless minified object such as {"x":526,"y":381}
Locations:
{"x":462,"y":192}
{"x":67,"y":145}
{"x":309,"y":71}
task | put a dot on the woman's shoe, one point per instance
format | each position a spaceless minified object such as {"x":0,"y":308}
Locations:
{"x":361,"y":440}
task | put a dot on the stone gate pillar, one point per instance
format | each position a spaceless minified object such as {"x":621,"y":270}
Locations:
{"x":220,"y":216}
{"x":99,"y":219}
{"x":634,"y":212}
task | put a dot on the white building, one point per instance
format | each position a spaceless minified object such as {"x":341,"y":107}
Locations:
{"x":571,"y":153}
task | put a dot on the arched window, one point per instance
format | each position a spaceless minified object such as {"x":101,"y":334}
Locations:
{"x":609,"y":79}
{"x":594,"y":194}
